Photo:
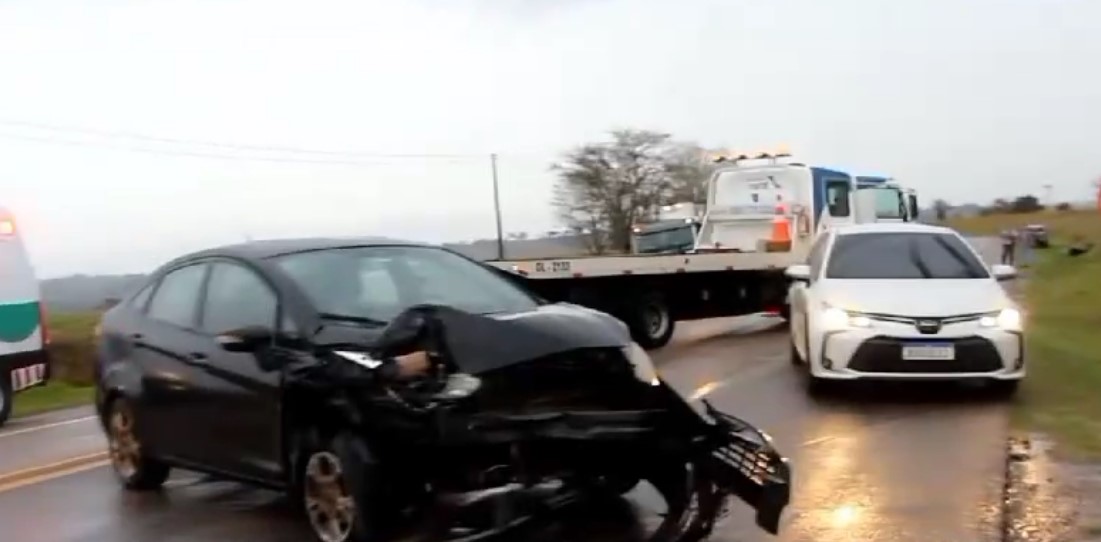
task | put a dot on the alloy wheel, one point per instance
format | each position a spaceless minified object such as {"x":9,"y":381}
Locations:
{"x":123,"y":445}
{"x":329,"y":504}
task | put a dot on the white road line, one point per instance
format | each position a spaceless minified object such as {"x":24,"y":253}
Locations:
{"x":43,"y":427}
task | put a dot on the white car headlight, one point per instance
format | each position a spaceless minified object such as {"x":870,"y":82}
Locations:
{"x":1008,"y":319}
{"x":835,"y":319}
{"x":644,"y":366}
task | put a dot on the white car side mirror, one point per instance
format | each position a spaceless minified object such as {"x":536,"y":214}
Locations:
{"x":798,"y":272}
{"x":1003,"y":272}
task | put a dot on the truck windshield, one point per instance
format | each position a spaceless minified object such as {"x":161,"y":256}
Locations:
{"x":378,"y":283}
{"x":675,"y":239}
{"x":903,"y":256}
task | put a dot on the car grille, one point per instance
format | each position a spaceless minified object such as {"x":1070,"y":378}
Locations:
{"x":586,"y":379}
{"x":884,"y":355}
{"x":928,"y":325}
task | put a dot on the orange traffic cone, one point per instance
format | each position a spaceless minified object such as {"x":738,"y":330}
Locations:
{"x":781,"y":227}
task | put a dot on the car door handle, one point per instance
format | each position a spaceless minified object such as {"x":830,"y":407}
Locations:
{"x":197,"y":358}
{"x":136,"y":338}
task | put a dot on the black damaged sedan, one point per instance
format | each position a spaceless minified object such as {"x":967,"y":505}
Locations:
{"x":386,"y":384}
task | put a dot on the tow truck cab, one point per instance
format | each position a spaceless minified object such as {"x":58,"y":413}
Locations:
{"x":881,"y":199}
{"x":746,"y":193}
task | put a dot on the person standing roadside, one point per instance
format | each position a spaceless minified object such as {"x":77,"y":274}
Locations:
{"x":1027,"y":241}
{"x":1009,"y":246}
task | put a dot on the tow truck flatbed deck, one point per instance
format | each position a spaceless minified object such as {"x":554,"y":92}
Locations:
{"x":646,"y":264}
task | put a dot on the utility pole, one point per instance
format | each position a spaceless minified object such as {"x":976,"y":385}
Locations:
{"x":497,"y":208}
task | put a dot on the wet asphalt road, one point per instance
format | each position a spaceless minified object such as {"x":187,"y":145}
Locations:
{"x":922,"y":464}
{"x":883,"y":463}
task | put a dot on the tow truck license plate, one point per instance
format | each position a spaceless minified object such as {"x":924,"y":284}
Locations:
{"x":928,"y":352}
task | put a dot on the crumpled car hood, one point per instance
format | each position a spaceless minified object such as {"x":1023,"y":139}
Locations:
{"x":477,"y":343}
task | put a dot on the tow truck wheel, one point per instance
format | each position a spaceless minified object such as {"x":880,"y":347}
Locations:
{"x":651,"y":323}
{"x":336,"y":491}
{"x":134,"y":468}
{"x":5,"y":398}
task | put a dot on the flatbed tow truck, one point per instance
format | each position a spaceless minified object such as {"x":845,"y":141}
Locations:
{"x":736,"y":264}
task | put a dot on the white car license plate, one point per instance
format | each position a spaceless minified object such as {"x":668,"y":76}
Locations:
{"x":928,"y":352}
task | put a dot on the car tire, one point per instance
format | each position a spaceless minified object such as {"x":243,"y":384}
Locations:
{"x":687,"y":496}
{"x":818,"y":387}
{"x":651,"y":322}
{"x":135,"y":469}
{"x":5,"y":398}
{"x":339,"y":490}
{"x":1004,"y":388}
{"x":795,"y":358}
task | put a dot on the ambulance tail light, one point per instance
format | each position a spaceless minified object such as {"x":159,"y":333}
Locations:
{"x":43,"y":329}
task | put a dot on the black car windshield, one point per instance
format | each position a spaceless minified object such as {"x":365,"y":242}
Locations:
{"x":901,"y":255}
{"x":679,"y":238}
{"x":375,"y":284}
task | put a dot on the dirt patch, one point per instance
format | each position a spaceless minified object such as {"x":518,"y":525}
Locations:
{"x":1048,"y":499}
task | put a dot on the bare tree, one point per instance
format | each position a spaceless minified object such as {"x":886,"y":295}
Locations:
{"x":690,"y":168}
{"x":603,"y":188}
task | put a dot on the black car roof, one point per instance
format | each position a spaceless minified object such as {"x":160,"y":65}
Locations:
{"x":259,"y":250}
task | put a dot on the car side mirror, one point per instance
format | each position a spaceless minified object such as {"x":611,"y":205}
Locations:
{"x":798,"y":272}
{"x":1003,"y":272}
{"x":246,"y":339}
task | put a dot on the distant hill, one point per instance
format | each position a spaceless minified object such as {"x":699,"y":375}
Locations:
{"x":89,"y":292}
{"x":85,"y":292}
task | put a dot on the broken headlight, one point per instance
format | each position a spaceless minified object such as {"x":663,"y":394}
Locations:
{"x":643,"y":365}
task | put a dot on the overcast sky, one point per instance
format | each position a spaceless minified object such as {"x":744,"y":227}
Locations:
{"x":966,"y":100}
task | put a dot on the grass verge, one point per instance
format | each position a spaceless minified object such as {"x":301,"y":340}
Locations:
{"x":1062,"y":393}
{"x":71,"y":354}
{"x":52,"y":396}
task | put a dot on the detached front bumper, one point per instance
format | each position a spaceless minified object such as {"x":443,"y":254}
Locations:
{"x":876,"y":352}
{"x":742,"y":462}
{"x":586,"y":425}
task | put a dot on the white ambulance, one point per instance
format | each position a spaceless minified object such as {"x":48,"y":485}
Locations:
{"x":23,"y":335}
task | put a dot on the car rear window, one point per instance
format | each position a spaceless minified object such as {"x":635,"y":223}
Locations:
{"x":903,"y":256}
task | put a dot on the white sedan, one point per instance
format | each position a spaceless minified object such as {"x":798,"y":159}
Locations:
{"x":903,"y":302}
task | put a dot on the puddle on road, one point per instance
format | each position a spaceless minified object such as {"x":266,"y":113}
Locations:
{"x":1048,"y":500}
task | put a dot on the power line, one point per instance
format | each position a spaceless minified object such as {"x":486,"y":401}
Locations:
{"x":224,"y":145}
{"x":221,"y":156}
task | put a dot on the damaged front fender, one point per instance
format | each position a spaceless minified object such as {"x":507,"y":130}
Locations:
{"x":558,"y":397}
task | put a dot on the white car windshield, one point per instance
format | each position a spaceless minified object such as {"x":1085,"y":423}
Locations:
{"x":377,"y":283}
{"x":903,"y":256}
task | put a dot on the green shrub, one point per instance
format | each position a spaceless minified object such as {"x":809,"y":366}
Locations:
{"x":72,"y":343}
